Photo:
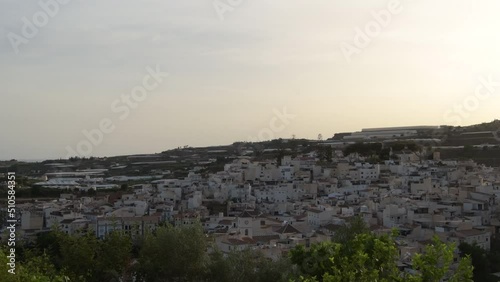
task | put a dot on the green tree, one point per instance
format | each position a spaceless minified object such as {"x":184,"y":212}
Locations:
{"x":49,"y":243}
{"x":434,"y":264}
{"x":347,"y":232}
{"x":482,"y":261}
{"x":325,"y":153}
{"x":279,"y":156}
{"x":113,"y":257}
{"x":247,"y":266}
{"x":316,"y":261}
{"x":467,"y":151}
{"x":368,"y":257}
{"x":364,"y":149}
{"x":84,"y":258}
{"x":35,"y":191}
{"x":173,"y":254}
{"x":33,"y":269}
{"x":365,"y":258}
{"x":78,"y":255}
{"x":91,"y":192}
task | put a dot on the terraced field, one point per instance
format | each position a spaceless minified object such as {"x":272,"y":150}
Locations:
{"x":489,"y":157}
{"x":465,"y":139}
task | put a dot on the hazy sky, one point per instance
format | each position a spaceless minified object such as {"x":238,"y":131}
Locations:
{"x":229,"y":72}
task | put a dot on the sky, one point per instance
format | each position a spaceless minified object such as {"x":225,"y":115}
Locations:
{"x":238,"y":70}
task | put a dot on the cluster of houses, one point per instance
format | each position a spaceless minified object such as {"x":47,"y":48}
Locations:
{"x":274,"y":206}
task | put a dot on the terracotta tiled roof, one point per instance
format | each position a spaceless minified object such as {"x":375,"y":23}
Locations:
{"x":471,"y":232}
{"x":242,"y":241}
{"x":67,"y":221}
{"x":266,"y":238}
{"x":287,"y":229}
{"x":248,"y":214}
{"x":315,"y":210}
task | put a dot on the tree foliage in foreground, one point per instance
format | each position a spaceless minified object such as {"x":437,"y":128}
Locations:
{"x":485,"y":262}
{"x":176,"y":253}
{"x":373,"y":258}
{"x":36,"y":269}
{"x":85,"y":258}
{"x":248,"y":266}
{"x":352,"y":228}
{"x":180,"y":254}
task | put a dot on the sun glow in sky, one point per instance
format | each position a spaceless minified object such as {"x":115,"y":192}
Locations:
{"x":229,"y":75}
